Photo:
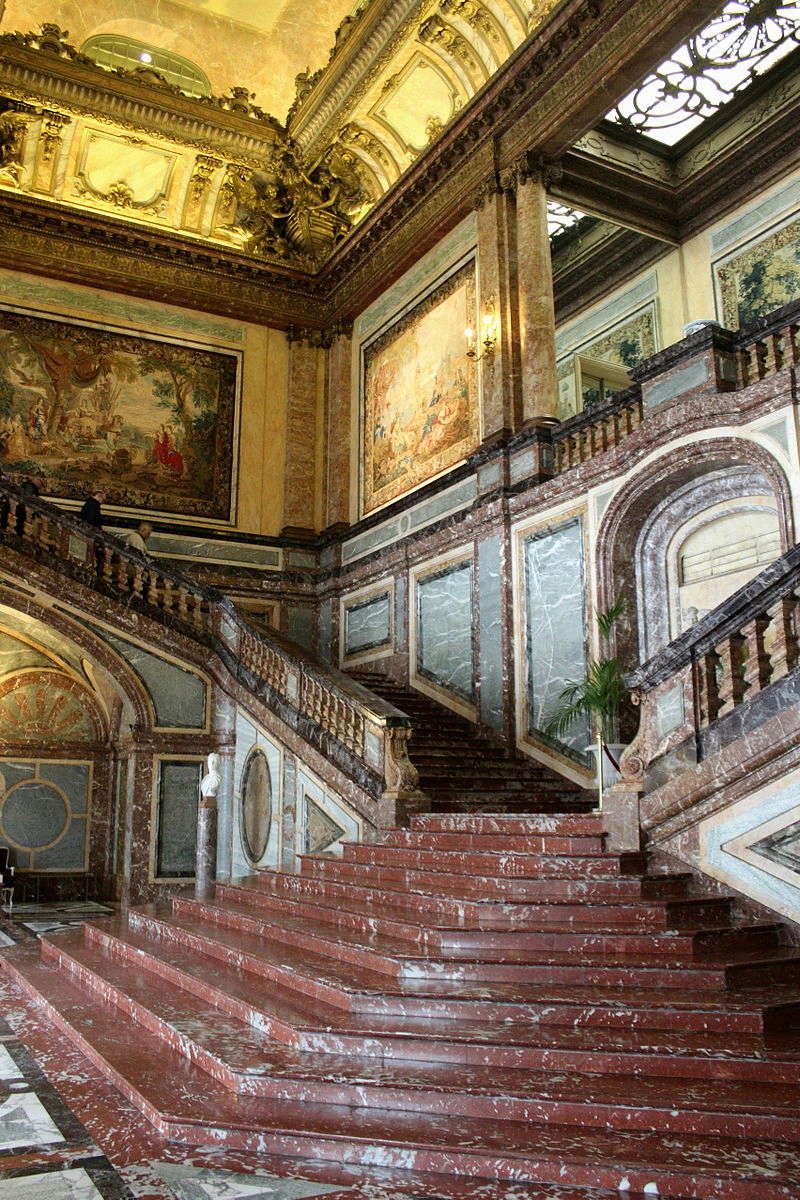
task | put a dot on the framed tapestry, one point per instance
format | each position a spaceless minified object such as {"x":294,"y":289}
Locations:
{"x":149,"y":421}
{"x":419,"y":393}
{"x":759,"y":277}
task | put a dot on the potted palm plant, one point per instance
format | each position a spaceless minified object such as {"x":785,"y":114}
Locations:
{"x":597,"y":697}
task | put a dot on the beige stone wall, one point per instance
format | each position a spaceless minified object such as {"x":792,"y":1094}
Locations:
{"x":260,"y":456}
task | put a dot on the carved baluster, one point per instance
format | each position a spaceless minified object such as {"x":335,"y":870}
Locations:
{"x":137,"y":581}
{"x":106,"y":564}
{"x":121,"y":576}
{"x":29,"y":524}
{"x":791,"y":347}
{"x":151,"y":591}
{"x":198,"y":616}
{"x":168,"y":596}
{"x":731,"y":683}
{"x":756,"y":666}
{"x":706,"y":690}
{"x":772,"y":354}
{"x":635,"y":416}
{"x":782,"y":636}
{"x":610,"y":431}
{"x":183,"y":603}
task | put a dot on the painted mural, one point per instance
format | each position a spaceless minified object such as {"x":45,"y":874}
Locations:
{"x":148,"y":421}
{"x":761,"y":277}
{"x":420,"y":393}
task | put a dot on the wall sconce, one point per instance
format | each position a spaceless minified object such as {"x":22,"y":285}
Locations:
{"x":488,"y":339}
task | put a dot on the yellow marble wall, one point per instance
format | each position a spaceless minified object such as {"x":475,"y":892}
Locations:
{"x":262,"y":455}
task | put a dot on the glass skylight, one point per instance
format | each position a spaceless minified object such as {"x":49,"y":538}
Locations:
{"x":742,"y":41}
{"x":561,"y":217}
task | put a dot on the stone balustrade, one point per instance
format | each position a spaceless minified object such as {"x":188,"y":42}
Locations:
{"x":359,"y":733}
{"x":598,"y":429}
{"x":725,"y":662}
{"x":770,"y":345}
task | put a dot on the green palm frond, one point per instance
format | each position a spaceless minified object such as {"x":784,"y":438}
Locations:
{"x":608,"y":619}
{"x":598,"y":698}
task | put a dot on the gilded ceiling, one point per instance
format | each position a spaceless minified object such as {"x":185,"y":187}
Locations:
{"x":259,"y":44}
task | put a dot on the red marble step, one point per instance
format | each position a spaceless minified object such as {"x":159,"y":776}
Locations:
{"x":188,"y":1105}
{"x":661,"y":914}
{"x":365,"y":920}
{"x":525,"y":801}
{"x":545,"y":843}
{"x":439,"y":882}
{"x":502,"y":825}
{"x":249,"y":1063}
{"x":237,"y":936}
{"x":497,"y":864}
{"x":554,"y":1004}
{"x":305,"y":1021}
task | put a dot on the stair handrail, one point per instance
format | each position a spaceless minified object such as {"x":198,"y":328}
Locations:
{"x":744,"y":645}
{"x":362,"y":734}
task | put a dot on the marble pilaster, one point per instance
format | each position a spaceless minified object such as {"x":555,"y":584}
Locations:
{"x":536,"y":306}
{"x":299,"y":502}
{"x":500,"y":379}
{"x":337,"y":489}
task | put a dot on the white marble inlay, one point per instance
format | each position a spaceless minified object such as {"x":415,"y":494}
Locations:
{"x":202,"y":1183}
{"x":8,"y":1068}
{"x":24,"y":1121}
{"x":73,"y":1184}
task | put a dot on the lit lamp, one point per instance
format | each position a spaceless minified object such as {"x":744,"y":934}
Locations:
{"x":488,"y":339}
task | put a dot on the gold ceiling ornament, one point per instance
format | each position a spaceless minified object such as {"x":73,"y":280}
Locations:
{"x":292,"y":211}
{"x":13,"y":128}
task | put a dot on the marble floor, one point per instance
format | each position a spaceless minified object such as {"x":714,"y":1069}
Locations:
{"x":67,"y":1134}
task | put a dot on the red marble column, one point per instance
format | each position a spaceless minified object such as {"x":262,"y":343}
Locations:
{"x":497,"y":288}
{"x":536,"y":308}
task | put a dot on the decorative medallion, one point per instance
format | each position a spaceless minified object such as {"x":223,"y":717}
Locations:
{"x":256,"y":805}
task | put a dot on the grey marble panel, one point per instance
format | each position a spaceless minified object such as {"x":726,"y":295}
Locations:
{"x":490,"y":476}
{"x":179,"y":784}
{"x":417,"y":517}
{"x":368,"y":624}
{"x":235,"y":553}
{"x":782,"y":200}
{"x":521,"y":464}
{"x":373,"y":539}
{"x":301,"y":626}
{"x":692,"y":376}
{"x":69,"y":852}
{"x":669,"y":710}
{"x":207,"y":1183}
{"x":179,"y":697}
{"x":326,"y":630}
{"x":16,"y":655}
{"x":490,"y":624}
{"x":72,"y":778}
{"x":556,"y":625}
{"x":444,"y":629}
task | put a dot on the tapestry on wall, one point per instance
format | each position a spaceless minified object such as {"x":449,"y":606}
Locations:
{"x":761,"y":277}
{"x":148,"y":421}
{"x":420,"y":393}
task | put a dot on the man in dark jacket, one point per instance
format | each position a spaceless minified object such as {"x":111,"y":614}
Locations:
{"x":91,"y":512}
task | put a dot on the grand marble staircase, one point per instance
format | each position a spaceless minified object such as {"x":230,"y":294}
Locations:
{"x":488,"y":996}
{"x":459,"y":769}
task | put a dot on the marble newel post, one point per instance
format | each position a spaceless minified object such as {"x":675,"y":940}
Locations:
{"x":536,"y":308}
{"x":206,"y":853}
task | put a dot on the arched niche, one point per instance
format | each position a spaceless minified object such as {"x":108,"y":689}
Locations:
{"x":670,"y":501}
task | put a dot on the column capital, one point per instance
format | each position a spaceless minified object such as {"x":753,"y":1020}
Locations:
{"x":530,"y":166}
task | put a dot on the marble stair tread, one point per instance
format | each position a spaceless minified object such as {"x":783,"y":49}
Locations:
{"x":553,"y":1003}
{"x":503,"y":823}
{"x":435,"y":881}
{"x":498,"y":914}
{"x":254,"y":1064}
{"x":402,"y":957}
{"x":497,"y":864}
{"x":528,"y":843}
{"x":189,"y":1105}
{"x":366,"y":922}
{"x":196,"y":920}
